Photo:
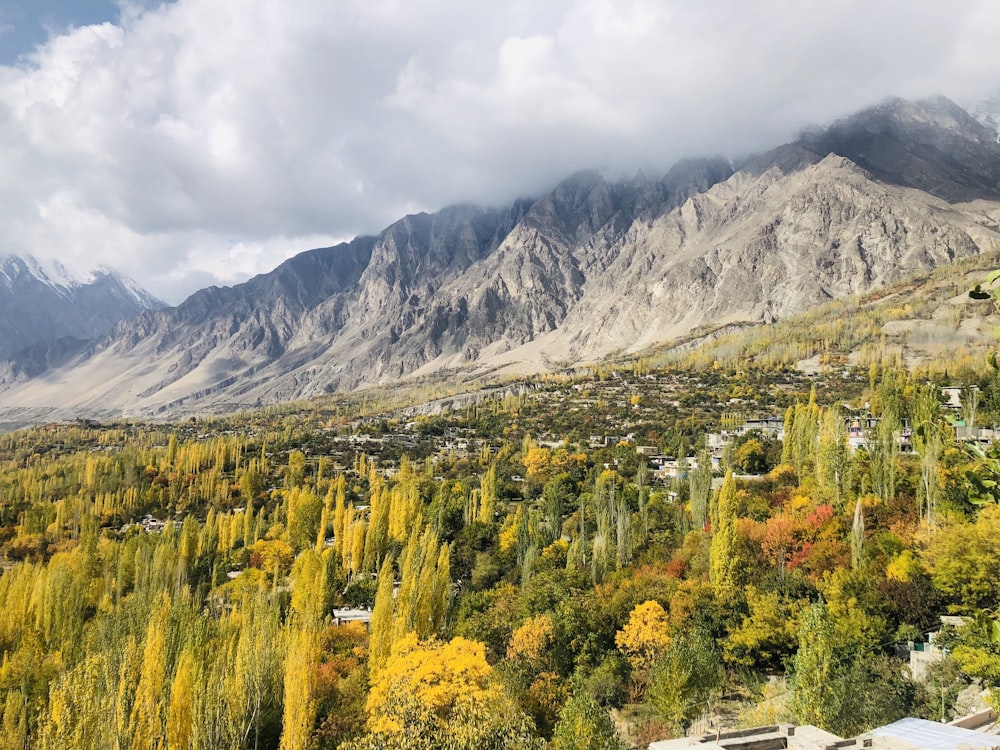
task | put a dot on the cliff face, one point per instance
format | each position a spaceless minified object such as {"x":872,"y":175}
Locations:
{"x":590,"y":269}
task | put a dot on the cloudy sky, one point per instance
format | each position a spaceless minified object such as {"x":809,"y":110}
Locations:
{"x":202,"y":141}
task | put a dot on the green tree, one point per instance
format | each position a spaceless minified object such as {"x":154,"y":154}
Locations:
{"x":975,"y":646}
{"x":833,"y":457}
{"x":927,"y":439}
{"x":585,"y":725}
{"x":964,"y":561}
{"x":814,"y":696}
{"x":684,"y":678}
{"x":700,"y":480}
{"x":724,"y":563}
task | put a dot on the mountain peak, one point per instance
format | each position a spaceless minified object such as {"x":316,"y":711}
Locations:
{"x":47,"y":270}
{"x":42,"y":300}
{"x":931,"y":144}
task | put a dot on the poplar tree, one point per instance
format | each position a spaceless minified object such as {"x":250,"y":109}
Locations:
{"x":381,"y":624}
{"x":180,"y":712}
{"x":723,"y":562}
{"x":488,"y":495}
{"x":700,"y":481}
{"x":927,"y":441}
{"x":147,"y":722}
{"x":377,"y":537}
{"x":299,"y":713}
{"x":814,"y":698}
{"x":833,"y":458}
{"x":340,"y":528}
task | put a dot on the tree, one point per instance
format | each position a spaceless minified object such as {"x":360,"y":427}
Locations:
{"x":927,"y":441}
{"x":976,"y":648}
{"x":532,"y":640}
{"x":381,"y":620}
{"x":440,"y":695}
{"x":684,"y":678}
{"x":833,"y":456}
{"x":884,"y":449}
{"x":964,"y":560}
{"x":724,"y":564}
{"x":180,"y":717}
{"x":814,"y":697}
{"x":305,"y":509}
{"x":839,"y":688}
{"x":645,"y":636}
{"x":700,"y":479}
{"x":767,"y":635}
{"x":300,"y":687}
{"x":296,"y":472}
{"x":488,"y":495}
{"x":147,"y":724}
{"x":584,"y":725}
{"x":751,"y":457}
{"x":253,"y":673}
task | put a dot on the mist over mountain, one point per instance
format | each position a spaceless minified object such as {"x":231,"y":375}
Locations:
{"x":591,"y":269}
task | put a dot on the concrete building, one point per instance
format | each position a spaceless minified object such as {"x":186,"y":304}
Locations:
{"x":905,"y":734}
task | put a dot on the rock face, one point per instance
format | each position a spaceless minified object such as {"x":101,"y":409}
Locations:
{"x":591,"y":269}
{"x":42,"y":302}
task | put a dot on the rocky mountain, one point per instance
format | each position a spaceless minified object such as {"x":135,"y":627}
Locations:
{"x":41,"y":302}
{"x":591,"y":269}
{"x":987,"y":112}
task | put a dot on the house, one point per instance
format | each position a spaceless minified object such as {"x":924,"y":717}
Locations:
{"x":343,"y":616}
{"x":922,"y":654}
{"x":952,"y":395}
{"x":668,"y":467}
{"x":602,"y":441}
{"x":758,"y":738}
{"x":905,"y":734}
{"x":862,"y":428}
{"x":772,"y":427}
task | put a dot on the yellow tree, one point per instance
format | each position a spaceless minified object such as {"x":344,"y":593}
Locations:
{"x":147,"y":722}
{"x":340,"y":528}
{"x":488,"y":495}
{"x":442,"y":694}
{"x":532,"y":639}
{"x":180,"y":717}
{"x":300,"y":700}
{"x":381,"y":620}
{"x":645,"y":636}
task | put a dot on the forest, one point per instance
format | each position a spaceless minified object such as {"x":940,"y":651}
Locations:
{"x":181,"y":585}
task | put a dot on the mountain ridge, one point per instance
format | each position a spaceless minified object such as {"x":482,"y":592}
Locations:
{"x":591,"y":269}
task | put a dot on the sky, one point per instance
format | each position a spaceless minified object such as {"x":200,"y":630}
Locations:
{"x":200,"y":142}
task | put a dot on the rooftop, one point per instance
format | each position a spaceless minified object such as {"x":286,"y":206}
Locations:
{"x":905,"y":734}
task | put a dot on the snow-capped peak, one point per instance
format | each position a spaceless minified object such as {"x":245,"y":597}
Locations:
{"x":987,"y":112}
{"x":66,"y":281}
{"x":48,"y":270}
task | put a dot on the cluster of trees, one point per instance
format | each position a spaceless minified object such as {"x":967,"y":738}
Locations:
{"x":522,"y":596}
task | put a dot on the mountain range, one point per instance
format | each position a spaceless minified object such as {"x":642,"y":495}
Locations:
{"x":42,"y":302}
{"x":592,"y":269}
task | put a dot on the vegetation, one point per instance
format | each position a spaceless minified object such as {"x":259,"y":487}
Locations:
{"x":530,"y":580}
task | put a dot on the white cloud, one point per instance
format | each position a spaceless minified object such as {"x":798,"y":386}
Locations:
{"x":206,"y":140}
